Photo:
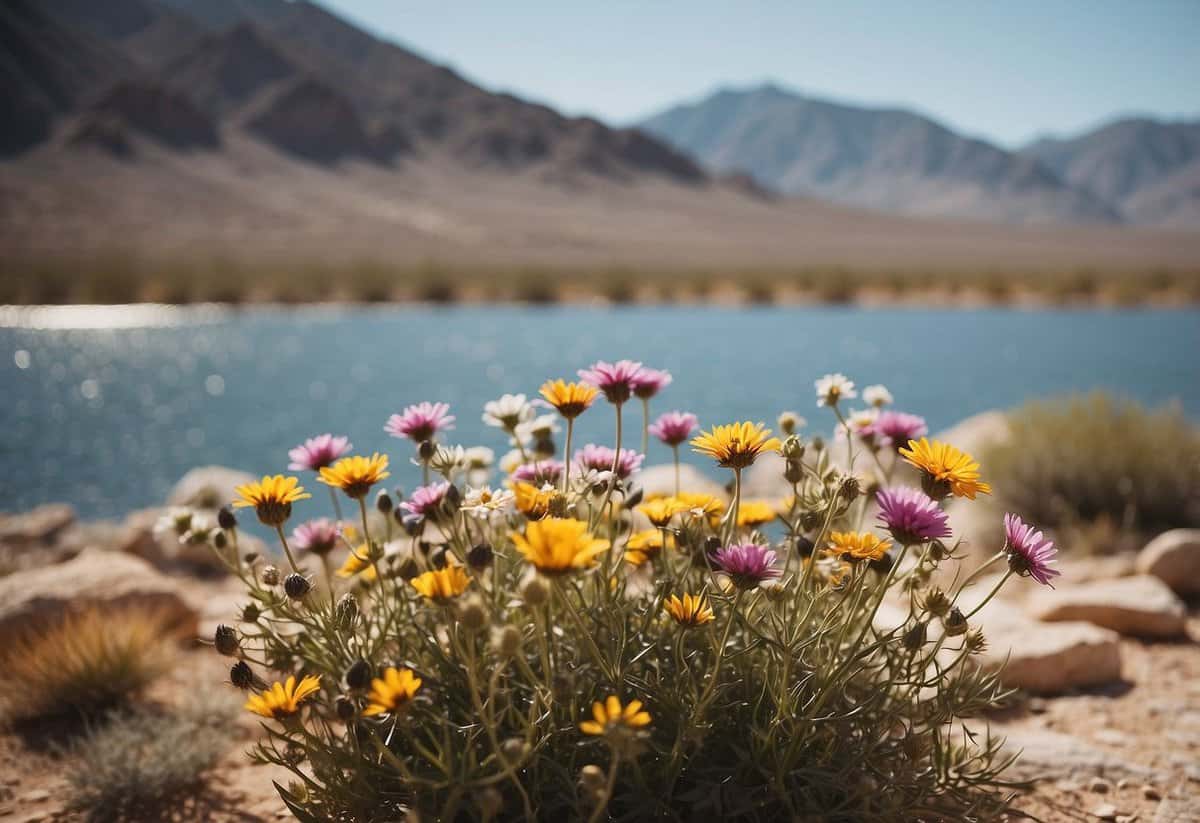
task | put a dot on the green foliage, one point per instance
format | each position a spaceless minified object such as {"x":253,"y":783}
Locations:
{"x":1092,"y":457}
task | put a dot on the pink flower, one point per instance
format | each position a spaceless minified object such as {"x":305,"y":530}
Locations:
{"x":600,"y":458}
{"x":674,"y":427}
{"x":649,"y":382}
{"x":616,"y":380}
{"x":539,"y":472}
{"x":1030,"y":554}
{"x":316,"y":453}
{"x":421,"y":422}
{"x":896,"y":428}
{"x":910,"y":515}
{"x":425,"y":502}
{"x":748,"y":564}
{"x":317,"y":536}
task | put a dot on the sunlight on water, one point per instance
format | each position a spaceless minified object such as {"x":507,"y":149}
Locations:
{"x":134,"y":316}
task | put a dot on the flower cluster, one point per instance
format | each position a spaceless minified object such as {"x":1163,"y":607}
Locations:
{"x":560,"y":642}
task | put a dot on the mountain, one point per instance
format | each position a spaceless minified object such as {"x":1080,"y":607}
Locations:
{"x":1145,"y":168}
{"x":887,"y":159}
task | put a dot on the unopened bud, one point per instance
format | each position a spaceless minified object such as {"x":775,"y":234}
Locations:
{"x":346,"y":610}
{"x":914,"y":638}
{"x":383,"y":502}
{"x":220,"y":541}
{"x":296,"y":586}
{"x":453,"y":498}
{"x":514,"y":749}
{"x":426,"y":450}
{"x":251,"y":613}
{"x":792,"y":448}
{"x":226,"y":519}
{"x":954,"y":623}
{"x":817,"y":442}
{"x":975,"y":641}
{"x":345,"y":708}
{"x":536,"y":590}
{"x":850,"y":488}
{"x":936,"y":602}
{"x":270,"y":576}
{"x":251,"y":558}
{"x":358,"y":676}
{"x":506,"y":641}
{"x":438,"y":558}
{"x":408,"y":569}
{"x":938,"y":550}
{"x":225,"y":639}
{"x":793,"y":471}
{"x":804,"y":546}
{"x":480,"y":556}
{"x":473,"y":613}
{"x":591,"y":778}
{"x":635,"y":498}
{"x":241,"y":675}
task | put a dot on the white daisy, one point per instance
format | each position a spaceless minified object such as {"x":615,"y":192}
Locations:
{"x":484,"y":502}
{"x":877,"y":396}
{"x":790,"y":422}
{"x":834,"y":387}
{"x":507,"y":412}
{"x":536,"y":428}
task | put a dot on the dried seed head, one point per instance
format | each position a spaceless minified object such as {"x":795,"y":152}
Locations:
{"x":536,"y":590}
{"x":241,"y":675}
{"x":346,"y":610}
{"x":975,"y":641}
{"x":383,"y":502}
{"x":472,"y":613}
{"x":506,"y":640}
{"x":251,"y":613}
{"x":226,"y":519}
{"x":954,"y":623}
{"x":225,"y":639}
{"x":936,"y":602}
{"x":270,"y":576}
{"x":850,"y":488}
{"x":480,"y":556}
{"x":358,"y":676}
{"x":296,"y":586}
{"x":914,"y":638}
{"x":345,"y":708}
{"x":938,"y":551}
{"x":426,"y":450}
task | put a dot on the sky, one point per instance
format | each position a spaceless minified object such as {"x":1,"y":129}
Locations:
{"x":1006,"y":71}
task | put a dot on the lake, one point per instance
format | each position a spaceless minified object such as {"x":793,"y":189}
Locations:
{"x":106,"y":408}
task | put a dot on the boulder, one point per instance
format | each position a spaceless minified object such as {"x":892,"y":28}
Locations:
{"x":1174,"y":558}
{"x":95,"y":579}
{"x":1047,"y":755}
{"x":978,"y":432}
{"x":660,"y":479}
{"x":208,"y":487}
{"x":41,"y":525}
{"x":137,"y":535}
{"x":1051,"y":658}
{"x":1139,"y":606}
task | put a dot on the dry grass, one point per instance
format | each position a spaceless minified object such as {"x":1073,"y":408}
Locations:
{"x":85,"y":663}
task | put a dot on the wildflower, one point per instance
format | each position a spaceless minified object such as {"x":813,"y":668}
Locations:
{"x":674,"y":427}
{"x":241,"y":675}
{"x":537,"y":429}
{"x":535,"y":590}
{"x":833,"y":388}
{"x":895,"y":428}
{"x":877,"y":396}
{"x":858,"y":422}
{"x":643,"y":545}
{"x":610,"y":716}
{"x":946,"y":469}
{"x":558,"y":545}
{"x":271,"y":498}
{"x":316,"y":453}
{"x":358,"y":676}
{"x":691,"y":611}
{"x":425,"y":502}
{"x":442,"y":584}
{"x":569,"y":399}
{"x":1030,"y":554}
{"x":478,"y":458}
{"x":507,"y":412}
{"x":226,"y":518}
{"x":858,"y":545}
{"x":393,"y":693}
{"x":754,"y":513}
{"x":936,"y":602}
{"x":601,"y":459}
{"x":296,"y":586}
{"x":789,"y":422}
{"x":539,"y":472}
{"x":747,"y":564}
{"x":954,"y":623}
{"x":446,"y":460}
{"x":702,"y":505}
{"x":506,"y":640}
{"x":533,"y":501}
{"x":283,"y":699}
{"x":421,"y":422}
{"x":270,"y":576}
{"x":649,"y":382}
{"x":317,"y":536}
{"x":910,"y":515}
{"x":483,"y":501}
{"x":473,"y":613}
{"x":356,"y":475}
{"x":735,"y":445}
{"x":225,"y":640}
{"x":661,"y":510}
{"x":616,"y":380}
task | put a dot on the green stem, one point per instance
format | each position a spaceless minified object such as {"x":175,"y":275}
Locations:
{"x":286,"y":549}
{"x":567,"y":456}
{"x":609,"y":786}
{"x":675,"y":451}
{"x":645,"y":424}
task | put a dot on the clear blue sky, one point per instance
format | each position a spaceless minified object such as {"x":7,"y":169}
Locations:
{"x":1006,"y":71}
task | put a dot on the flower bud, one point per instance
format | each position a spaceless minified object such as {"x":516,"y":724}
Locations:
{"x":296,"y":586}
{"x":426,"y":450}
{"x":453,"y":498}
{"x":938,"y":551}
{"x":514,"y":749}
{"x":383,"y":502}
{"x":480,"y":556}
{"x":954,"y":623}
{"x":270,"y":576}
{"x":789,"y":421}
{"x":850,"y":488}
{"x":225,"y":639}
{"x":914,"y":638}
{"x":358,"y":676}
{"x":818,"y":442}
{"x":792,"y":448}
{"x":220,"y":541}
{"x":793,"y":471}
{"x":712,"y":545}
{"x":473,"y":613}
{"x":535,"y":590}
{"x":804,"y":546}
{"x":413,"y":526}
{"x":975,"y":641}
{"x":591,"y":778}
{"x":241,"y":675}
{"x":346,"y":610}
{"x":884,"y":564}
{"x":345,"y":708}
{"x":936,"y":602}
{"x":251,"y":613}
{"x":226,"y":519}
{"x":506,"y":640}
{"x":408,"y":569}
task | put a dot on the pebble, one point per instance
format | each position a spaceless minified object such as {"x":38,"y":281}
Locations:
{"x":1151,"y":793}
{"x":1112,"y":737}
{"x":35,"y":796}
{"x":1105,"y":811}
{"x":1100,"y":785}
{"x":1123,"y":784}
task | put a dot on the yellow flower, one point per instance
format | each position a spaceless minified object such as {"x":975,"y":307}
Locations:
{"x":392,"y":693}
{"x":643,"y":545}
{"x":703,"y":505}
{"x":735,"y":445}
{"x":358,"y":561}
{"x":752,"y":513}
{"x":858,"y":545}
{"x":442,"y":584}
{"x":283,"y":699}
{"x":692,"y":610}
{"x":557,"y":545}
{"x":609,"y":716}
{"x":571,"y":399}
{"x":661,"y":510}
{"x":271,"y":497}
{"x":356,"y":475}
{"x":946,"y":469}
{"x":532,"y":501}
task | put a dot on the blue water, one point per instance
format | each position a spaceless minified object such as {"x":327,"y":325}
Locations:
{"x":106,"y":409}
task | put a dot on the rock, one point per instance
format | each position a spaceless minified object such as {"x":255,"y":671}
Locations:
{"x":208,"y":487}
{"x":1100,"y":786}
{"x":137,"y":535}
{"x":1140,"y":606}
{"x":1174,"y":558}
{"x":1174,"y":810}
{"x":1082,"y":569}
{"x":660,"y":480}
{"x":978,"y":432}
{"x":1105,"y":811}
{"x":1151,"y":793}
{"x":94,"y":579}
{"x":1049,"y":755}
{"x":41,"y":525}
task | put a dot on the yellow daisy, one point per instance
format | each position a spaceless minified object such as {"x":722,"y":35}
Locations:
{"x":531,"y":501}
{"x":703,"y":505}
{"x":442,"y":584}
{"x":610,"y":715}
{"x":558,"y":545}
{"x":570,"y":399}
{"x":271,"y":498}
{"x":946,"y":469}
{"x":358,"y":561}
{"x":643,"y":545}
{"x":692,"y":610}
{"x":661,"y":510}
{"x":858,"y":545}
{"x":392,"y":693}
{"x":283,"y":699}
{"x":355,"y":475}
{"x":754,"y":513}
{"x":735,"y":445}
